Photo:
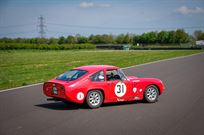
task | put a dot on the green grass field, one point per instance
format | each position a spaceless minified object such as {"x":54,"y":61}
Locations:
{"x":23,"y":67}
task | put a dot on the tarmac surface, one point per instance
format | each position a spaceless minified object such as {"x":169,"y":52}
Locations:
{"x":179,"y":111}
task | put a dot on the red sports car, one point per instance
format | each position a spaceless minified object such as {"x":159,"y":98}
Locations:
{"x":97,"y":84}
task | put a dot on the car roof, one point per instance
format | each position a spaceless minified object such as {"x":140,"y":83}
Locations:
{"x":96,"y":67}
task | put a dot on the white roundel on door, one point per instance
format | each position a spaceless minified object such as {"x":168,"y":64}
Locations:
{"x":120,"y":89}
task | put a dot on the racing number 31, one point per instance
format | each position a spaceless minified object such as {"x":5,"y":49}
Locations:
{"x":120,"y":89}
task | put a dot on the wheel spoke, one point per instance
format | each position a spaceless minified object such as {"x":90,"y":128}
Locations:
{"x":94,"y":98}
{"x":151,"y":93}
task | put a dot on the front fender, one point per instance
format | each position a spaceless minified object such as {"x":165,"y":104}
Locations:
{"x":142,"y":83}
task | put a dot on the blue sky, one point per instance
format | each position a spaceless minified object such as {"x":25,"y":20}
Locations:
{"x":19,"y":18}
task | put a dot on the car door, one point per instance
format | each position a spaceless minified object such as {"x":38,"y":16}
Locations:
{"x":119,"y":89}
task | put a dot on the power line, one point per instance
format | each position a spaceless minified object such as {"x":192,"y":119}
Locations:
{"x":122,"y":28}
{"x":19,"y":25}
{"x":61,"y":32}
{"x":15,"y":33}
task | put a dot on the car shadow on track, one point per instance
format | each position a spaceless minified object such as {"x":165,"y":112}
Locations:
{"x":73,"y":106}
{"x":60,"y":106}
{"x":126,"y":103}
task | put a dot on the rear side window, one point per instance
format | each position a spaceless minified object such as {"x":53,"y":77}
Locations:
{"x":98,"y":77}
{"x":71,"y":75}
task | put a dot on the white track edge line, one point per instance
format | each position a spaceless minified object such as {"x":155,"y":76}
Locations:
{"x":179,"y":57}
{"x":20,"y":87}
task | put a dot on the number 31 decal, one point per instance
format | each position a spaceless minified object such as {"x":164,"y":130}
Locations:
{"x":120,"y":89}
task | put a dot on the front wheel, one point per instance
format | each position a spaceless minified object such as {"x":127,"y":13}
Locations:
{"x":151,"y":94}
{"x":94,"y":99}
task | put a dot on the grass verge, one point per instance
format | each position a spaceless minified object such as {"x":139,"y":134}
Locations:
{"x":23,"y":67}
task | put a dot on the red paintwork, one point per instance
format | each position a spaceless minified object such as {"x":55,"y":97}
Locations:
{"x":69,"y":90}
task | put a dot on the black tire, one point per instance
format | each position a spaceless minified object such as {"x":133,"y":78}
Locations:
{"x":94,"y":99}
{"x":151,"y":94}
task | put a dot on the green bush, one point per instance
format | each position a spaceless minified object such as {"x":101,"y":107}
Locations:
{"x":10,"y":46}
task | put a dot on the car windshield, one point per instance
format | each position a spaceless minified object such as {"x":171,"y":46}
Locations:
{"x":122,"y":75}
{"x":71,"y":75}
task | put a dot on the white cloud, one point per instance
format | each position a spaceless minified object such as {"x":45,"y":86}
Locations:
{"x":86,"y":5}
{"x":91,"y":5}
{"x":187,"y":10}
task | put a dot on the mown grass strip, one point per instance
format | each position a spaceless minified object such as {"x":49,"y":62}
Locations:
{"x":23,"y":67}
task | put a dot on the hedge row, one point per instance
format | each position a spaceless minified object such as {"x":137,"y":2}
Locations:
{"x":9,"y":46}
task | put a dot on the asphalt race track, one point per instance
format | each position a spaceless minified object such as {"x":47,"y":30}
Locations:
{"x":179,"y":111}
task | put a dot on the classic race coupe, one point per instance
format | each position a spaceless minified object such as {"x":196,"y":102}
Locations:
{"x":97,"y":84}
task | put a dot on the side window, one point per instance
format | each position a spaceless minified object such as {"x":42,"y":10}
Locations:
{"x":98,"y":77}
{"x":112,"y":75}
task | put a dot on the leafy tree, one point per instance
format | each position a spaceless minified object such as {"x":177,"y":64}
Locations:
{"x":181,"y":36}
{"x":123,"y":39}
{"x":136,"y":39}
{"x":33,"y":40}
{"x":143,"y":38}
{"x":53,"y":41}
{"x":101,"y":39}
{"x":6,"y":40}
{"x":95,"y":39}
{"x":61,"y":40}
{"x":172,"y":37}
{"x":19,"y":40}
{"x":163,"y":37}
{"x":41,"y":40}
{"x":152,"y":37}
{"x":119,"y":39}
{"x":71,"y":40}
{"x":82,"y":39}
{"x":192,"y":40}
{"x":199,"y":35}
{"x":126,"y":39}
{"x":106,"y":39}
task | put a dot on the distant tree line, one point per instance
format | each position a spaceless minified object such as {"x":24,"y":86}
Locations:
{"x":163,"y":37}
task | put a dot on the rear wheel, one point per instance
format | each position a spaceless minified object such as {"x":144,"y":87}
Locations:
{"x":151,"y":94}
{"x":94,"y":99}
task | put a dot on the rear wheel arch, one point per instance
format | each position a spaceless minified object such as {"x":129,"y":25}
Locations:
{"x":102,"y":91}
